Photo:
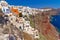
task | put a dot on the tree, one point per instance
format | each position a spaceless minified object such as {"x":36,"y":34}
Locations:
{"x":1,"y":13}
{"x":20,"y":14}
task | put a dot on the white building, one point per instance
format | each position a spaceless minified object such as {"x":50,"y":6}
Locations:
{"x":4,"y":6}
{"x":6,"y":10}
{"x":27,"y":23}
{"x":45,"y":9}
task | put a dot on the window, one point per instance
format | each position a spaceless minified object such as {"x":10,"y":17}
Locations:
{"x":27,"y":25}
{"x":20,"y":27}
{"x":36,"y":34}
{"x":7,"y":10}
{"x":11,"y":18}
{"x":3,"y":10}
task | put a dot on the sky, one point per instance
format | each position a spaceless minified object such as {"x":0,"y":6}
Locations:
{"x":36,"y":3}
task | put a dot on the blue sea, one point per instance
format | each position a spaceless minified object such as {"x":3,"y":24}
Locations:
{"x":55,"y":20}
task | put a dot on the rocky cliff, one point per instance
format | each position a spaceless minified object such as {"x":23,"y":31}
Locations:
{"x":41,"y":21}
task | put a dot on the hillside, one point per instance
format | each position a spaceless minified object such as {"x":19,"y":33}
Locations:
{"x":25,"y":23}
{"x":41,"y":22}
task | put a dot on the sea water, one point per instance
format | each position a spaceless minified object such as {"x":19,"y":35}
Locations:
{"x":55,"y":20}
